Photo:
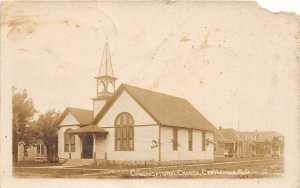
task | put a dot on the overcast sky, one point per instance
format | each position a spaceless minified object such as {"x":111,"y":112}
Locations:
{"x":233,"y":62}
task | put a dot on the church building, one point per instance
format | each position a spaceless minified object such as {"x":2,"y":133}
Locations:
{"x":132,"y":124}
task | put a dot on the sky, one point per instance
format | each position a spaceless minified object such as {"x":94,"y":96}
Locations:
{"x":235,"y":62}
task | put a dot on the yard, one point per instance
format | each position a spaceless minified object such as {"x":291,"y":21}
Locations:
{"x":256,"y":168}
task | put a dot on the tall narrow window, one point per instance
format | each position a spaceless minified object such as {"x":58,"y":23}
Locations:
{"x":190,"y":137}
{"x":203,"y":141}
{"x":25,"y":151}
{"x":69,"y":141}
{"x":38,"y":148}
{"x":118,"y":139}
{"x":124,"y":132}
{"x":42,"y":149}
{"x":66,"y":141}
{"x":73,"y":143}
{"x":175,"y":139}
{"x":130,"y":138}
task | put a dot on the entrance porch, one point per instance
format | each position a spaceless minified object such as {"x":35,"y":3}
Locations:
{"x":88,"y":136}
{"x":230,"y":149}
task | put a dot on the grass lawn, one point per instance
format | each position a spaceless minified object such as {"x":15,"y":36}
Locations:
{"x":245,"y":169}
{"x":53,"y":173}
{"x":35,"y":164}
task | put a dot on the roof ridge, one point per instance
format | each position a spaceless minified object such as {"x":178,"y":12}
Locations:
{"x":78,"y":108}
{"x":148,"y":90}
{"x":228,"y":129}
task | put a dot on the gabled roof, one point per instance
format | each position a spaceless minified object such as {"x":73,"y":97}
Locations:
{"x":218,"y":137}
{"x":232,"y":135}
{"x":226,"y":135}
{"x":262,"y":136}
{"x":83,"y":116}
{"x":267,"y":136}
{"x":164,"y":109}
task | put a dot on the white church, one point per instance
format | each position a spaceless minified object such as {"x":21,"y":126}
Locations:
{"x":134,"y":125}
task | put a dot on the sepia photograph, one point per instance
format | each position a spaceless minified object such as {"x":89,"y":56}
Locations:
{"x":144,"y":90}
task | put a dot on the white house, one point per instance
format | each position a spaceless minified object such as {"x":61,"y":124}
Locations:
{"x":34,"y":152}
{"x":134,"y":125}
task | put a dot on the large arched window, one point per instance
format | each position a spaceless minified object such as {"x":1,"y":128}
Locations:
{"x":69,"y":140}
{"x":124,"y":132}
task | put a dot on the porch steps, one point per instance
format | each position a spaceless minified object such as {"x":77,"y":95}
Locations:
{"x":79,"y":162}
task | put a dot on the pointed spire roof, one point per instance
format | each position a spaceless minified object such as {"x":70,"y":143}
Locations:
{"x":106,"y":65}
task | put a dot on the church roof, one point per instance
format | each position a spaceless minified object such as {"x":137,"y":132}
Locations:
{"x":164,"y":109}
{"x":83,"y":116}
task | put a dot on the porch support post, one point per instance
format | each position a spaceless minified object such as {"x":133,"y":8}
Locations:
{"x":234,"y":150}
{"x":94,"y":146}
{"x":80,"y":141}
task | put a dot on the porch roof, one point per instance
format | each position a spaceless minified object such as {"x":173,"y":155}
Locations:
{"x":88,"y":129}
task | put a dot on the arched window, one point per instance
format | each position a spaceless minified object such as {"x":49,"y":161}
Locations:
{"x":124,"y":132}
{"x":110,"y":87}
{"x":101,"y":87}
{"x":69,"y":140}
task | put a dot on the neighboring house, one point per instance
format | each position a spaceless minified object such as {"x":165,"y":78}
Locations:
{"x":232,"y":143}
{"x":134,"y":124}
{"x":226,"y":143}
{"x":264,"y":143}
{"x":34,"y":152}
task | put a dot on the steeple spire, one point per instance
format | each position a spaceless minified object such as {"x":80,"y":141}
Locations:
{"x":106,"y":65}
{"x":105,"y":80}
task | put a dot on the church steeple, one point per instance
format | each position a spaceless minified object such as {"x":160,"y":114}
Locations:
{"x":105,"y":81}
{"x":106,"y":65}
